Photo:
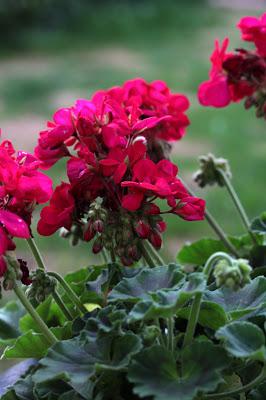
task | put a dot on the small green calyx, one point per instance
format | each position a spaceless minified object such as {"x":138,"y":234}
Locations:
{"x":234,"y":276}
{"x":42,"y":286}
{"x":209,"y":172}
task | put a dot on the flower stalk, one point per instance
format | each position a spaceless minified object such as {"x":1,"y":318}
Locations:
{"x":50,"y":337}
{"x":69,"y":291}
{"x":62,"y":306}
{"x":238,"y":205}
{"x":36,"y":253}
{"x":215,"y":226}
{"x":224,"y":395}
{"x":147,"y":257}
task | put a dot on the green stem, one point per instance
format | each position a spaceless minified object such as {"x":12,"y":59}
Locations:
{"x":215,"y":226}
{"x":104,"y":255}
{"x":238,"y":205}
{"x":210,"y":262}
{"x":112,"y":253}
{"x":193,"y":320}
{"x":161,"y":337}
{"x":195,"y":308}
{"x":36,"y":253}
{"x":147,"y":257}
{"x":170,"y":328}
{"x":259,"y":379}
{"x":69,"y":291}
{"x":33,"y":313}
{"x":62,"y":306}
{"x":156,"y":256}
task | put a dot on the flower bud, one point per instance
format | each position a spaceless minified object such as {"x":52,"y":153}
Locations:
{"x":98,"y":225}
{"x":161,"y":226}
{"x":155,"y":239}
{"x":97,"y":245}
{"x":233,"y":276}
{"x":142,"y":228}
{"x":152,"y":209}
{"x":209,"y":174}
{"x":89,"y":233}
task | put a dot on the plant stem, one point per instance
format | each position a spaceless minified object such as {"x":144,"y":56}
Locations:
{"x":104,"y":255}
{"x":147,"y":257}
{"x":210,"y":262}
{"x":215,"y":226}
{"x":195,"y":308}
{"x":112,"y":253}
{"x":62,"y":306}
{"x":170,"y":327}
{"x":193,"y":320}
{"x":238,"y":205}
{"x":156,"y":256}
{"x":69,"y":291}
{"x":50,"y":337}
{"x":259,"y":379}
{"x":36,"y":253}
{"x":161,"y":337}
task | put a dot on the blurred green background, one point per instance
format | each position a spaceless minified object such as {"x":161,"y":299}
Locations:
{"x":54,"y":51}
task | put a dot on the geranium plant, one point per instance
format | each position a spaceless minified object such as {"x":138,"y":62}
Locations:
{"x":134,"y":327}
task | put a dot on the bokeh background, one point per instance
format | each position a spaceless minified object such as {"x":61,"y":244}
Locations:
{"x":55,"y":51}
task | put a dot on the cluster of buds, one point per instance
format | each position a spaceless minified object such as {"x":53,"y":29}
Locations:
{"x":233,"y":275}
{"x":41,"y":287}
{"x":209,"y":172}
{"x":16,"y":270}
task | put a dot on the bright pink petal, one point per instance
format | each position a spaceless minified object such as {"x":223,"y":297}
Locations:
{"x":15,"y":225}
{"x":132,"y":201}
{"x":215,"y":93}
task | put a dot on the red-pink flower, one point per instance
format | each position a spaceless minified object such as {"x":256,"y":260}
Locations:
{"x":254,"y":30}
{"x":59,"y":213}
{"x":216,"y":92}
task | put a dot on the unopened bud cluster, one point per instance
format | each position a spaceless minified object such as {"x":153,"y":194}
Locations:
{"x":209,"y":172}
{"x":121,"y":233}
{"x":42,"y":285}
{"x":233,"y":276}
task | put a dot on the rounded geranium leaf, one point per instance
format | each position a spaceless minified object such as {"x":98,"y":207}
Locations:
{"x":14,"y":224}
{"x":244,"y":340}
{"x":147,"y":281}
{"x":154,"y":372}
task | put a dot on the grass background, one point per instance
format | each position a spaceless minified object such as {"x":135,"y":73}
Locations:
{"x":56,"y":51}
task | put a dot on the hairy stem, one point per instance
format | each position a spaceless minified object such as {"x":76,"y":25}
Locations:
{"x":170,"y":328}
{"x":50,"y":337}
{"x":36,"y":253}
{"x":259,"y":379}
{"x":238,"y":204}
{"x":193,"y":320}
{"x":155,"y":254}
{"x":62,"y":306}
{"x":69,"y":291}
{"x":147,"y":257}
{"x":215,"y":226}
{"x":210,"y":262}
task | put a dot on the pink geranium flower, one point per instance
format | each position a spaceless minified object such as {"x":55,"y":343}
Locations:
{"x":254,"y":30}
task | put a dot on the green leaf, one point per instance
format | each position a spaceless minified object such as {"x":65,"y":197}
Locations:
{"x":9,"y":320}
{"x":258,"y":393}
{"x":48,"y":311}
{"x":241,"y":302}
{"x":243,"y":340}
{"x":51,"y":390}
{"x":154,"y":372}
{"x":108,"y":319}
{"x":197,"y":253}
{"x":258,"y":256}
{"x":259,"y":224}
{"x":164,"y":304}
{"x":211,"y":315}
{"x":30,"y":344}
{"x":76,"y":361}
{"x":145,"y":282}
